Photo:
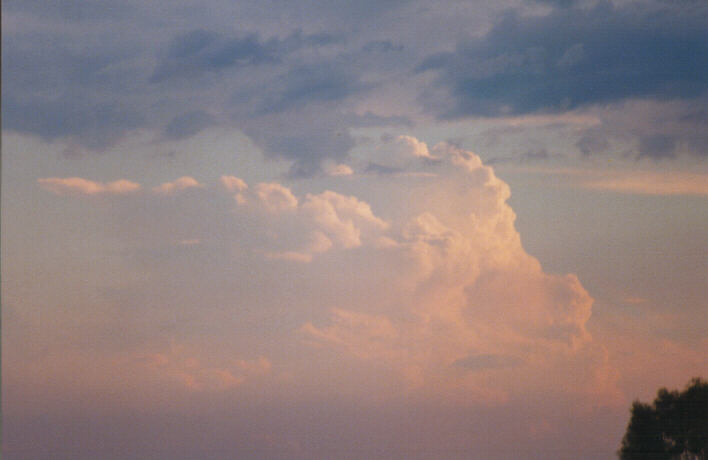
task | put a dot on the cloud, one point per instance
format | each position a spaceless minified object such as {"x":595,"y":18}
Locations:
{"x":178,"y":185}
{"x":96,"y":124}
{"x":470,"y":305}
{"x":591,"y":56}
{"x":488,"y":361}
{"x":339,"y":170}
{"x":320,"y":82}
{"x":275,"y":197}
{"x":649,"y":183}
{"x":199,"y":51}
{"x":188,"y":124}
{"x":236,"y":186}
{"x":633,"y":300}
{"x":592,"y":142}
{"x":319,"y":242}
{"x":344,"y":219}
{"x":307,"y":137}
{"x":633,"y":182}
{"x":57,"y":89}
{"x":414,"y":147}
{"x":558,"y":3}
{"x":233,"y":183}
{"x":306,"y":114}
{"x":300,"y":96}
{"x":382,"y":46}
{"x":361,"y":334}
{"x":654,"y":129}
{"x":308,"y":226}
{"x":375,"y":168}
{"x":657,"y":146}
{"x":77,"y":185}
{"x":181,"y":366}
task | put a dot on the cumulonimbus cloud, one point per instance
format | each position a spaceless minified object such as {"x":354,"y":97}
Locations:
{"x":466,"y":288}
{"x":442,"y":294}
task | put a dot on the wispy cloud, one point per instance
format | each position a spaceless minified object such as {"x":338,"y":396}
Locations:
{"x":632,"y":182}
{"x":650,"y":183}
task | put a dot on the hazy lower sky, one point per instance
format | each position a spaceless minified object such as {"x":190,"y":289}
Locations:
{"x":349,"y":230}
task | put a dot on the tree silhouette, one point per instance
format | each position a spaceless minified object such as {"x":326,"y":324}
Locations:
{"x":674,"y":426}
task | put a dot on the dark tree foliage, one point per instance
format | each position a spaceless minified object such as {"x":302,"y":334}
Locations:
{"x":674,"y":426}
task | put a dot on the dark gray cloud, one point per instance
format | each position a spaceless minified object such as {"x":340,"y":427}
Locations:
{"x":657,"y":146}
{"x":320,"y":82}
{"x":382,"y":46}
{"x":200,"y":51}
{"x":592,"y":141}
{"x":95,"y":123}
{"x":89,"y":72}
{"x":306,"y":136}
{"x":376,"y":168}
{"x":530,"y":156}
{"x":82,"y":88}
{"x":188,"y":124}
{"x":648,"y":129}
{"x":558,"y":3}
{"x":72,"y":10}
{"x":575,"y":57}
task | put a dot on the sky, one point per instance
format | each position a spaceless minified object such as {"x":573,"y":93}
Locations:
{"x":349,"y":230}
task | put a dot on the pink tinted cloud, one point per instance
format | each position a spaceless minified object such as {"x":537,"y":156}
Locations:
{"x":176,"y":186}
{"x":233,"y":184}
{"x":276,"y":197}
{"x":464,"y":288}
{"x":80,"y":186}
{"x":339,"y":170}
{"x":414,"y":147}
{"x":342,"y":218}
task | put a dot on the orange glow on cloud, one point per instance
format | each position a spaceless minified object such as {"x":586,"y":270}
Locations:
{"x":454,"y":307}
{"x":181,"y":184}
{"x":77,"y":185}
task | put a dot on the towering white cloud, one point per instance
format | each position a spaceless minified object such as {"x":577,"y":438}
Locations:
{"x":472,"y":311}
{"x":345,"y":219}
{"x":436,"y":293}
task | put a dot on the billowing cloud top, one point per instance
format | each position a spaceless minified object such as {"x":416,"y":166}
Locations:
{"x":453,"y":301}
